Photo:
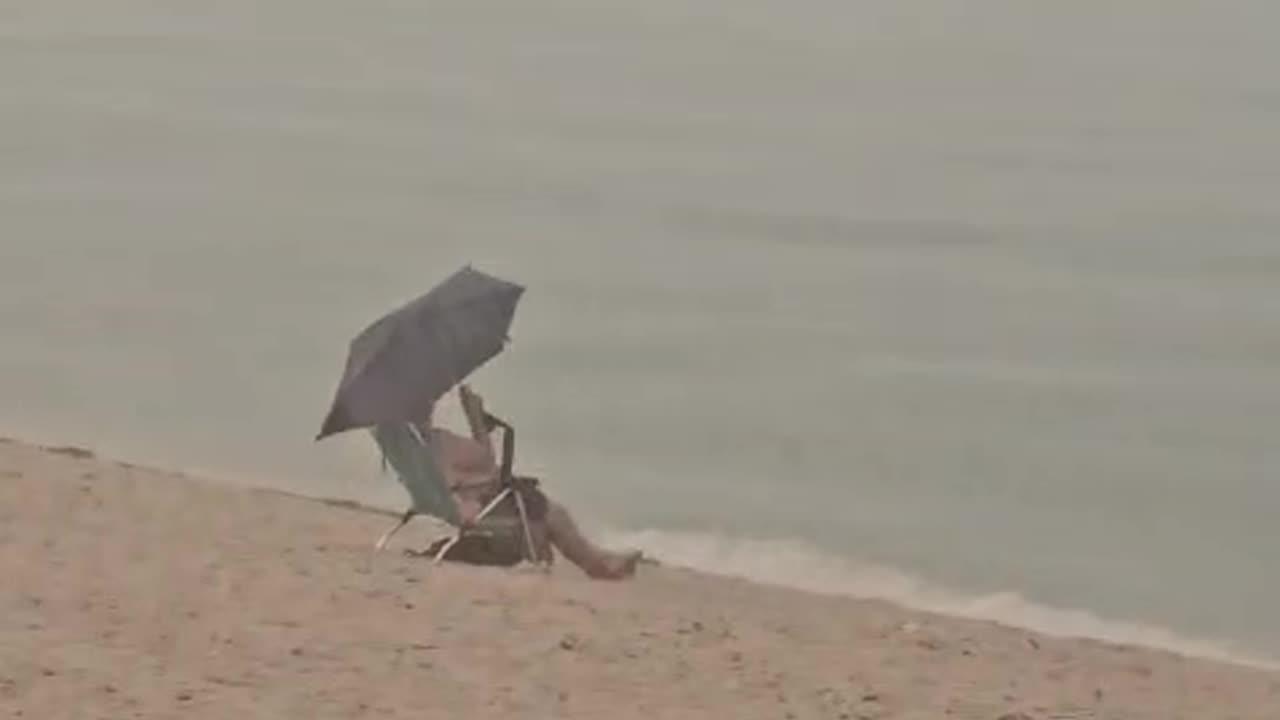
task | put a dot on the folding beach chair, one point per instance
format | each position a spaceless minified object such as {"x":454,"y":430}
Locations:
{"x":411,"y":457}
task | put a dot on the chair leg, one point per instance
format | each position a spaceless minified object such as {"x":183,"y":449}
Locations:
{"x":446,"y":548}
{"x":530,"y":547}
{"x":484,"y":512}
{"x":386,"y":537}
{"x":531,"y":552}
{"x":479,"y":516}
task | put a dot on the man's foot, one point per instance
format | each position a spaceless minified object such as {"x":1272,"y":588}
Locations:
{"x":622,"y":566}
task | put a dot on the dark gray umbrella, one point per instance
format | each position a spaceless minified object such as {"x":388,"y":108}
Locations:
{"x":401,"y":364}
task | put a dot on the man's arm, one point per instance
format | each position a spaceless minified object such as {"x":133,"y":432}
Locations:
{"x":473,"y":407}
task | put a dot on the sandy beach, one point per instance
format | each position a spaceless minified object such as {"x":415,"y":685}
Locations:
{"x":131,"y":592}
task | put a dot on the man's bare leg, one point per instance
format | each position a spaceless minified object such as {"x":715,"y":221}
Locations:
{"x":594,"y":561}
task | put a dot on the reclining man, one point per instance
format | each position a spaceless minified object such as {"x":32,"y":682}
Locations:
{"x":472,"y":472}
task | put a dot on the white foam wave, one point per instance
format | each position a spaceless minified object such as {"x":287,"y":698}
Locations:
{"x":799,"y":565}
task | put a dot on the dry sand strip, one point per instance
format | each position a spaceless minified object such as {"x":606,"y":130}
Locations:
{"x":129,"y":592}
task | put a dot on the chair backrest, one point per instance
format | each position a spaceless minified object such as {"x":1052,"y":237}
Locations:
{"x":406,"y":451}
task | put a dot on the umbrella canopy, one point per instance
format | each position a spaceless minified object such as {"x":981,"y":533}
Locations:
{"x":401,"y":364}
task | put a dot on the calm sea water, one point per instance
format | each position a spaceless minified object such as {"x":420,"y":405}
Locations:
{"x":972,"y":305}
